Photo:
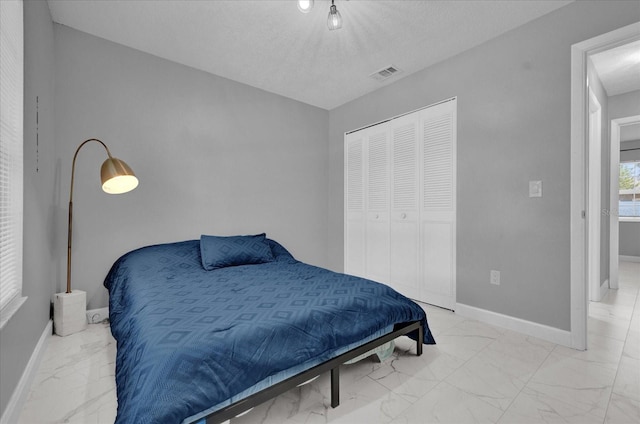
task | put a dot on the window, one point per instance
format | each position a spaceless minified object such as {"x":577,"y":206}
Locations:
{"x":11,"y":128}
{"x":629,"y":205}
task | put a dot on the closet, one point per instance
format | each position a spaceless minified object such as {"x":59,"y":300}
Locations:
{"x":400,"y":203}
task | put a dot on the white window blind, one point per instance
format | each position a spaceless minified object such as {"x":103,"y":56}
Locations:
{"x":11,"y":142}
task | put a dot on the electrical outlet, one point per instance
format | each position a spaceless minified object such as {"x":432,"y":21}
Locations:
{"x":494,"y":277}
{"x":95,"y":316}
{"x":535,"y":188}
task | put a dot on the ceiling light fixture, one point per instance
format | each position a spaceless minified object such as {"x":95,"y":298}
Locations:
{"x":305,"y":6}
{"x":335,"y":20}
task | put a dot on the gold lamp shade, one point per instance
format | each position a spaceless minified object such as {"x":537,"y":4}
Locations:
{"x":117,"y":177}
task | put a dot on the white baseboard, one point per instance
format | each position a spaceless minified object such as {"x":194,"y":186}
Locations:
{"x":629,"y":258}
{"x":14,"y":407}
{"x":544,"y":332}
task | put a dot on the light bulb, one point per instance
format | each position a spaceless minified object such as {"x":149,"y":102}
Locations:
{"x":305,"y":6}
{"x":335,"y":20}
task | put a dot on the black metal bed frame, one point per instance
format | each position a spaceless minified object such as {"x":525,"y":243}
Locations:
{"x":333,"y":365}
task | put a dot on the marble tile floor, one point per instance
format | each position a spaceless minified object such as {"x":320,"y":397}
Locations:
{"x":476,"y":373}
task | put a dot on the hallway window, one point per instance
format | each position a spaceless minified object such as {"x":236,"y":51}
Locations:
{"x":629,"y":205}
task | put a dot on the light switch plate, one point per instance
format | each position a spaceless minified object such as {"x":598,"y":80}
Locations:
{"x":494,"y":277}
{"x":535,"y":188}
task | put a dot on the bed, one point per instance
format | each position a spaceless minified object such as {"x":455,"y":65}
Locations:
{"x":208,"y":328}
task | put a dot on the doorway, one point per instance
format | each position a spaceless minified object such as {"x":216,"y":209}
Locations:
{"x":582,"y":217}
{"x":617,"y":126}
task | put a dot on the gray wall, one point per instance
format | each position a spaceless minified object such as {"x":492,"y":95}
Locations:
{"x":621,"y":106}
{"x":629,"y":241}
{"x":605,"y":152}
{"x":513,"y":126}
{"x":20,"y":335}
{"x":213,"y":157}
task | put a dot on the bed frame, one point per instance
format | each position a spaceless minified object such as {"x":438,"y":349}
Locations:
{"x":332,"y":365}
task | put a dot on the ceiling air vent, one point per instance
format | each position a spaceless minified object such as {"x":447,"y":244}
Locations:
{"x":385,"y":73}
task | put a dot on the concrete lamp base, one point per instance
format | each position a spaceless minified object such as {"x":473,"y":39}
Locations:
{"x":70,"y":312}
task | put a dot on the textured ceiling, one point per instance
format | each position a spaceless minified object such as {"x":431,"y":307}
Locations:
{"x":619,"y":68}
{"x":270,"y":45}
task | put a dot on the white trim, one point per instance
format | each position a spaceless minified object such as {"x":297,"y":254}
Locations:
{"x":16,"y":403}
{"x":625,"y":258}
{"x":614,"y":199}
{"x":594,"y":201}
{"x":578,"y":260}
{"x":579,"y":53}
{"x":403,"y":114}
{"x":544,"y":332}
{"x":628,"y":219}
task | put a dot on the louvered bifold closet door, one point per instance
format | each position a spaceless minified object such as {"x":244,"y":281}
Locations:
{"x":354,"y":231}
{"x":377,"y":200}
{"x":438,"y":204}
{"x":405,"y":224}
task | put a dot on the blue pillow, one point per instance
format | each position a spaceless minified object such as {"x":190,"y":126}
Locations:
{"x":280,"y":253}
{"x":219,"y":252}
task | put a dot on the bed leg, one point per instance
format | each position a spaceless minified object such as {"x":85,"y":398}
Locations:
{"x":335,"y":387}
{"x":420,"y":341}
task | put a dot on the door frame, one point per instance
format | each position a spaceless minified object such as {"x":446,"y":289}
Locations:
{"x":594,"y":195}
{"x":578,"y":195}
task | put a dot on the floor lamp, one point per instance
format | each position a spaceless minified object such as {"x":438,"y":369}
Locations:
{"x":69,"y":310}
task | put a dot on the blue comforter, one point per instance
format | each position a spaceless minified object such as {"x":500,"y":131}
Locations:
{"x":189,"y":339}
